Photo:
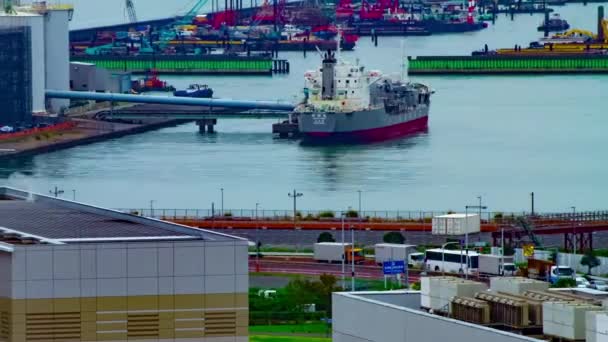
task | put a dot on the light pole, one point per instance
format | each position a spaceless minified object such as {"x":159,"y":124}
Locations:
{"x":343,"y":254}
{"x":257,"y":240}
{"x":56,"y":192}
{"x":152,"y":208}
{"x":360,"y":214}
{"x":466,"y":232}
{"x":443,"y":255}
{"x":222,"y":198}
{"x":295,"y":196}
{"x":479,"y":235}
{"x":573,"y":230}
{"x":352,"y":258}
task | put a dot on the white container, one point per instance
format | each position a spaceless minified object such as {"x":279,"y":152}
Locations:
{"x":392,"y":252}
{"x":456,"y":224}
{"x":330,"y":251}
{"x":517,"y":285}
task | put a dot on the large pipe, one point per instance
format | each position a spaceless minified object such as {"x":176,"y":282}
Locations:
{"x":187,"y":101}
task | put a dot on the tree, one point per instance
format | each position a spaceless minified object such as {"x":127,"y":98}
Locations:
{"x":326,"y":237}
{"x":590,"y":260}
{"x":393,"y":237}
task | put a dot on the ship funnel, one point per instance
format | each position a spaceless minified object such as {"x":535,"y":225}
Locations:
{"x":600,"y":28}
{"x":328,"y":72}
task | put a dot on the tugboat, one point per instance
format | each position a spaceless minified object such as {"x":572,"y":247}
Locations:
{"x":195,"y":90}
{"x":346,"y":103}
{"x":554,"y":24}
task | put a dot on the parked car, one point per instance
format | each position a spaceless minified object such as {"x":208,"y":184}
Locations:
{"x":599,"y":285}
{"x":582,"y":282}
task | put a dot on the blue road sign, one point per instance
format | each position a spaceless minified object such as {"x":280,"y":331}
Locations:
{"x":393,"y":267}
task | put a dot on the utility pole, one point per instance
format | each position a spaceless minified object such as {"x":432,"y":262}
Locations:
{"x":360,"y":214}
{"x":56,"y":192}
{"x":352,"y":258}
{"x":343,"y":254}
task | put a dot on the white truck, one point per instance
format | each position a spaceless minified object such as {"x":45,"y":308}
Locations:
{"x":392,"y":252}
{"x":332,"y":252}
{"x":496,"y":265}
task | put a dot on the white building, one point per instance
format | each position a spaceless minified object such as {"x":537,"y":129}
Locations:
{"x":49,"y":25}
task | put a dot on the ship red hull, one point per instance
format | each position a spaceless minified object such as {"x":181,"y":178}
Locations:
{"x":370,"y":135}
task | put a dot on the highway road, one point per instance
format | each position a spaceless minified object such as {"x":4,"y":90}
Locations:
{"x":309,"y":267}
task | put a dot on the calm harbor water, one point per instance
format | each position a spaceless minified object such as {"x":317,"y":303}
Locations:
{"x":496,"y":136}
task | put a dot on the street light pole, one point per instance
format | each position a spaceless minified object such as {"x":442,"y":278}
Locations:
{"x":222,"y":202}
{"x":343,"y":255}
{"x":295,"y":196}
{"x":352,"y":258}
{"x":56,"y":192}
{"x":574,"y":230}
{"x":466,"y":232}
{"x":360,"y":214}
{"x":152,"y":208}
{"x":257,"y":240}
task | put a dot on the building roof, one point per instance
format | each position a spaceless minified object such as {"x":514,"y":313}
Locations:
{"x":27,"y":218}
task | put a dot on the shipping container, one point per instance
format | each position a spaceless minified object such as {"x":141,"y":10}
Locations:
{"x":456,"y":224}
{"x":391,"y":252}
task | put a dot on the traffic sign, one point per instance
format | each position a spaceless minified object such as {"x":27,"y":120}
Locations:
{"x":393,"y":267}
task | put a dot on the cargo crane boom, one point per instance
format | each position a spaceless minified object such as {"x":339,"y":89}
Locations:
{"x":131,"y":11}
{"x":188,"y":17}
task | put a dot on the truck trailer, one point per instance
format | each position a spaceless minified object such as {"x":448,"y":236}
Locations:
{"x":333,"y":252}
{"x":496,"y":265}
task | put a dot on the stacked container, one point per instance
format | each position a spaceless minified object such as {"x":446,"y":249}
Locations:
{"x":566,"y":319}
{"x":456,"y":224}
{"x":437,"y":292}
{"x":597,"y":326}
{"x":517,"y":285}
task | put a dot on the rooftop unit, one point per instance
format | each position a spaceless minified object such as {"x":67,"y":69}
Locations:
{"x":470,"y":310}
{"x":566,"y":319}
{"x":437,"y":292}
{"x":507,"y":310}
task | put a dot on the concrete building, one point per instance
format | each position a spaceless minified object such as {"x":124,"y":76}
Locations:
{"x":49,"y":29}
{"x":395,"y":316}
{"x":89,"y":77}
{"x":75,"y":272}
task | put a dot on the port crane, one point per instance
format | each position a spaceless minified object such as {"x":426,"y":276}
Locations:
{"x":130,"y":7}
{"x":192,"y":13}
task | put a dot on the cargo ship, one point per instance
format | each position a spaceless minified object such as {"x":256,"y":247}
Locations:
{"x":346,"y":103}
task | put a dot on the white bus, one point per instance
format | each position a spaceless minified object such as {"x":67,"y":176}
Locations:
{"x":453,"y":262}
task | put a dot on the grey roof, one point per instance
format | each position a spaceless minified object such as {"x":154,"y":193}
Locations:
{"x":58,"y":219}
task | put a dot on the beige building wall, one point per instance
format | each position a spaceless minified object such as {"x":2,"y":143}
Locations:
{"x":148,"y":291}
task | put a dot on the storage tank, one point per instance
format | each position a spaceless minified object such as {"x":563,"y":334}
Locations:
{"x":456,"y":224}
{"x":517,"y":285}
{"x":566,"y":320}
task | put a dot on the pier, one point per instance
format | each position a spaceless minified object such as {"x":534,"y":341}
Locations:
{"x":508,"y":64}
{"x":184,"y":64}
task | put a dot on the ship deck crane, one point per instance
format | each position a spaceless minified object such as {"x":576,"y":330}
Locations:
{"x":130,"y":7}
{"x":192,"y":13}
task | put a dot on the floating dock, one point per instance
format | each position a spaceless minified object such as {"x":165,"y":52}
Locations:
{"x":508,"y":64}
{"x":218,"y":65}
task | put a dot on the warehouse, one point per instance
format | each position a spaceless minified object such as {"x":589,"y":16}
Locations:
{"x":71,"y":271}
